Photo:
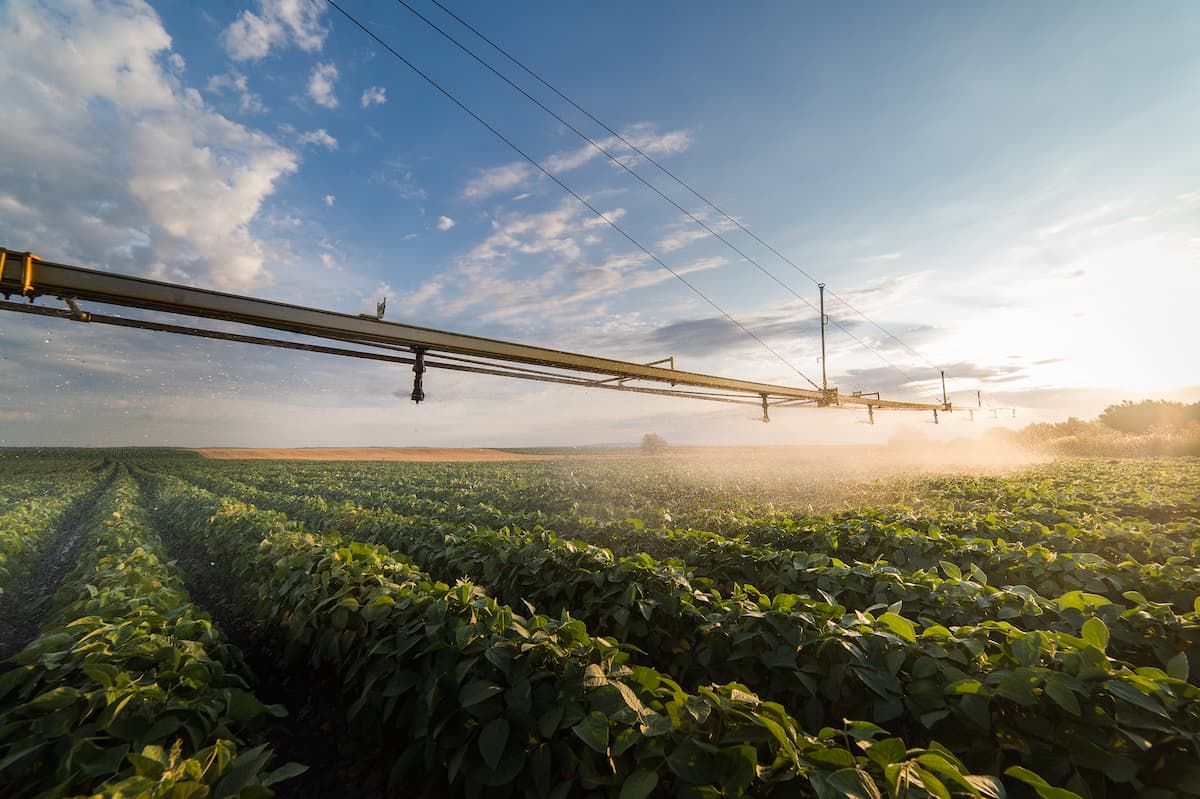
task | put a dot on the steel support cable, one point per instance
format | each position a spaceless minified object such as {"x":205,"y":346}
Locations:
{"x":637,"y":176}
{"x":658,"y":165}
{"x":536,"y":164}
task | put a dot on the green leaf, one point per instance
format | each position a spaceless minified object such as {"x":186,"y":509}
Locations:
{"x":55,"y":699}
{"x":851,"y":783}
{"x":244,"y":706}
{"x":285,"y":772}
{"x":693,"y":764}
{"x":243,"y":771}
{"x":1178,"y":666}
{"x":900,"y":626}
{"x":593,"y":731}
{"x":988,"y":787}
{"x":887,"y":751}
{"x":477,"y":691}
{"x":1044,"y":789}
{"x":932,"y":784}
{"x":1026,"y":776}
{"x":951,"y":570}
{"x":1057,"y":689}
{"x":1133,"y":696}
{"x":640,"y":784}
{"x":1095,"y":632}
{"x":492,"y":740}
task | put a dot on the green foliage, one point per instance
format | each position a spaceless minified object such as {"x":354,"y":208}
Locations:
{"x":483,"y":698}
{"x":129,"y":690}
{"x":1042,"y":625}
{"x":1147,"y":415}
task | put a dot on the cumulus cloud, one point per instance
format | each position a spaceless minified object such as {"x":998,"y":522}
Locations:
{"x":445,"y":223}
{"x":159,"y":184}
{"x":375,"y":95}
{"x":329,"y":200}
{"x":320,"y":85}
{"x":319,"y":137}
{"x":235,"y":82}
{"x":278,"y":23}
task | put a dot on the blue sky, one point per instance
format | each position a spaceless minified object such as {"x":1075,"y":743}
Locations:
{"x":1013,"y":189}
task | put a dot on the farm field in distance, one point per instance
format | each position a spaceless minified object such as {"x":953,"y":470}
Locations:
{"x":618,"y":626}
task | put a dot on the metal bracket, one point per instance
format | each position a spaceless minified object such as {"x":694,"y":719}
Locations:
{"x":418,"y":392}
{"x":766,"y":416}
{"x":27,"y":260}
{"x":77,"y":313}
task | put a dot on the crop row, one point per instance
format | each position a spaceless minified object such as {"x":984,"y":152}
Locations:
{"x":25,"y":526}
{"x":129,"y":690}
{"x":1052,"y":565}
{"x":484,"y":697}
{"x":733,"y":499}
{"x":1147,"y":633}
{"x":1050,"y":699}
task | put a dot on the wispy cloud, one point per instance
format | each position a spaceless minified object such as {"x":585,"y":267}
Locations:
{"x":499,"y":179}
{"x":520,"y":174}
{"x":686,"y":231}
{"x":320,"y":85}
{"x":278,"y":23}
{"x":399,"y":177}
{"x":445,"y":223}
{"x":573,"y":279}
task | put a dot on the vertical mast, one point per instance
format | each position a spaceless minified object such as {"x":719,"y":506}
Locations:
{"x":824,"y":320}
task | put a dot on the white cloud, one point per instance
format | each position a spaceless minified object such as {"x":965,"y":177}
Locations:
{"x":570,"y":282}
{"x":445,"y":223}
{"x":160,"y":184}
{"x":686,"y":231}
{"x":177,"y":62}
{"x":498,"y":179}
{"x":552,"y":231}
{"x":642,"y":135}
{"x":329,"y":200}
{"x":320,"y":85}
{"x":519,"y":173}
{"x":375,"y":95}
{"x":319,"y":137}
{"x":234,"y":81}
{"x":277,"y":23}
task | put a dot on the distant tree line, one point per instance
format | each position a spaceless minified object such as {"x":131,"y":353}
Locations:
{"x":1149,"y":415}
{"x":1130,"y":429}
{"x":653,"y":444}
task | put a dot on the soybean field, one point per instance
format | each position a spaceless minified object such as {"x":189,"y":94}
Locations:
{"x":621,"y":627}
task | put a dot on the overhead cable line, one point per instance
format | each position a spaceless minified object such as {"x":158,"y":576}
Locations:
{"x":666,"y":172}
{"x":611,"y":223}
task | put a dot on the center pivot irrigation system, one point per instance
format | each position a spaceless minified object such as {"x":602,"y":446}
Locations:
{"x":25,"y":275}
